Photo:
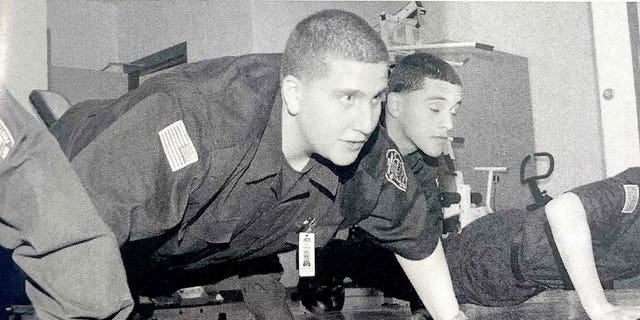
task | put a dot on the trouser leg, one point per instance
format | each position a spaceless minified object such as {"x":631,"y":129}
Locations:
{"x":70,"y":256}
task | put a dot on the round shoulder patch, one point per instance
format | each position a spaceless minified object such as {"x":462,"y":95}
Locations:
{"x":396,"y":173}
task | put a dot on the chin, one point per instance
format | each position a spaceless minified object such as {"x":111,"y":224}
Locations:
{"x":433,"y":151}
{"x":344,"y":159}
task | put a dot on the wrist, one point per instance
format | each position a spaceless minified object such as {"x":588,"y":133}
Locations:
{"x":460,"y":316}
{"x":594,"y":310}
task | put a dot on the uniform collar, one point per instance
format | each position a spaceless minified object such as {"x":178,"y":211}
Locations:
{"x":269,"y":159}
{"x":419,"y":163}
{"x":372,"y":158}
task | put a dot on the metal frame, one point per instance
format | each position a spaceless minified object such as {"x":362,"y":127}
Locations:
{"x":160,"y":60}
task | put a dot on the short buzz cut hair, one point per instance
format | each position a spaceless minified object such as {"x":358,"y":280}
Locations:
{"x":330,"y":34}
{"x":409,"y":73}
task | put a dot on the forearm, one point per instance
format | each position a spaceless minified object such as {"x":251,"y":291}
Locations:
{"x":431,"y":279}
{"x":572,"y":236}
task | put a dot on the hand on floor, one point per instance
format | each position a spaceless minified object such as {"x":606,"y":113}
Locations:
{"x":611,"y":312}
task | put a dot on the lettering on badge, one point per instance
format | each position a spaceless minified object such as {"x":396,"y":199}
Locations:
{"x":177,"y":146}
{"x":6,"y":141}
{"x":396,"y":173}
{"x":631,"y":194}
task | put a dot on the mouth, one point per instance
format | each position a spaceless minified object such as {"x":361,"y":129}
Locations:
{"x":443,"y":138}
{"x":455,"y":140}
{"x":354,"y":145}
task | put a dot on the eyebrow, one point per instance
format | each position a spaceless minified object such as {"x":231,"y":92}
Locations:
{"x":382,"y":91}
{"x":352,"y":92}
{"x":436,"y":98}
{"x":357,"y":92}
{"x":453,"y":108}
{"x":439,"y":97}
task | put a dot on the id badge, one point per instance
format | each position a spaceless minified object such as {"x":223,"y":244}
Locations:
{"x":306,"y":254}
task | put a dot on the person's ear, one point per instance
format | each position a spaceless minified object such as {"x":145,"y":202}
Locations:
{"x":292,"y":94}
{"x":394,"y":104}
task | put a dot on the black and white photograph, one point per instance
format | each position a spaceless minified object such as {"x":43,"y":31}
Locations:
{"x":319,"y":160}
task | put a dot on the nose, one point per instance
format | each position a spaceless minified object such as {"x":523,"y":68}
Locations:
{"x":367,"y":118}
{"x":447,"y":121}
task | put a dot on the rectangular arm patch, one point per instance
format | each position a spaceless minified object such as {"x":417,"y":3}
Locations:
{"x":631,"y":193}
{"x":177,"y":146}
{"x":6,"y":140}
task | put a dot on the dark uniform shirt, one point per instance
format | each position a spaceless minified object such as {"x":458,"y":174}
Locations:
{"x":230,"y":203}
{"x":220,"y":188}
{"x":508,"y":257}
{"x":396,"y":199}
{"x":264,"y":211}
{"x":405,"y":222}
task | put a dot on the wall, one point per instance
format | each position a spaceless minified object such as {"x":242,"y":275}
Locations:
{"x":557,"y":40}
{"x":83,"y":41}
{"x":84,"y":33}
{"x":271,"y":37}
{"x":122,"y":31}
{"x":211,"y":28}
{"x":23,"y":47}
{"x":87,"y":35}
{"x":79,"y":84}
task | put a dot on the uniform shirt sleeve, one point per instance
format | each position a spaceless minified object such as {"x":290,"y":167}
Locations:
{"x":71,"y":130}
{"x":605,"y":203}
{"x":407,"y":222}
{"x":126,"y":169}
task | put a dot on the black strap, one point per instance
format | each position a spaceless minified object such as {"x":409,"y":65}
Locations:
{"x":515,"y":266}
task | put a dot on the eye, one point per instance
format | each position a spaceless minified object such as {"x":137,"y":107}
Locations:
{"x":434,"y":106}
{"x":377,"y":99}
{"x":347,"y":99}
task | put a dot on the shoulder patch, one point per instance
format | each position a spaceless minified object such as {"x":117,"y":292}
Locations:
{"x":631,"y":194}
{"x":6,"y":141}
{"x":396,"y":173}
{"x":177,"y":146}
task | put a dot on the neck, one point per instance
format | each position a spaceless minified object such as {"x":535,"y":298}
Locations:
{"x":293,"y":145}
{"x":394,"y":130}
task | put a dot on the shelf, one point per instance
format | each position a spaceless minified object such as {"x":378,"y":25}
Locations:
{"x":456,"y":54}
{"x":448,"y":45}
